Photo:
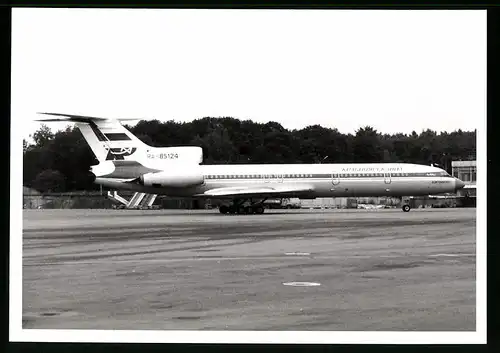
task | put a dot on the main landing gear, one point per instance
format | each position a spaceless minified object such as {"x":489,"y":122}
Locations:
{"x":238,"y":207}
{"x":405,"y":203}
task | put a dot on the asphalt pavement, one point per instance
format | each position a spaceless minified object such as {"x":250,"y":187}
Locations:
{"x":284,"y":270}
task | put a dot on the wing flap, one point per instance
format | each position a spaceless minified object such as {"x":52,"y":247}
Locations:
{"x":257,"y":191}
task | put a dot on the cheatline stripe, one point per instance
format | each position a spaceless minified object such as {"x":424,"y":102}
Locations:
{"x":323,"y":176}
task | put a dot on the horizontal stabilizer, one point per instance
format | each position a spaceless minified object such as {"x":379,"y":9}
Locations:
{"x":78,"y":118}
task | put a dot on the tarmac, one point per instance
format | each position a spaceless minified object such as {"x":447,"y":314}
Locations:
{"x":298,"y":270}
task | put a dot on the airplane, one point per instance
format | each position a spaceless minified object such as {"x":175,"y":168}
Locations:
{"x":126,"y":163}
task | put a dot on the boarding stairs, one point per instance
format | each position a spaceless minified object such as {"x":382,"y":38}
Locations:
{"x":138,"y":200}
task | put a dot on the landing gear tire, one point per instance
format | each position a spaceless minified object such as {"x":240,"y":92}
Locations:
{"x":223,"y":209}
{"x":406,"y":208}
{"x":259,"y":210}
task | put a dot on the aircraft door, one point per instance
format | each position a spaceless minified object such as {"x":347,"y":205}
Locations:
{"x":335,"y":178}
{"x":387,"y":177}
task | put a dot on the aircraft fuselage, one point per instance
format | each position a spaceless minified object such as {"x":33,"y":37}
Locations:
{"x":323,"y":180}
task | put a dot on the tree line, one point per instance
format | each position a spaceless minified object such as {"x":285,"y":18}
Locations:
{"x":61,"y":161}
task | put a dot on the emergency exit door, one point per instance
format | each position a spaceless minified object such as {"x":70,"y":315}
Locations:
{"x":335,"y":178}
{"x":387,"y":177}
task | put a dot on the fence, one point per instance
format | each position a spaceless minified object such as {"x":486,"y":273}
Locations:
{"x":66,"y":200}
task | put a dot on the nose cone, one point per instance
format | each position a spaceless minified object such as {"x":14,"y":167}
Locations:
{"x":459,"y":184}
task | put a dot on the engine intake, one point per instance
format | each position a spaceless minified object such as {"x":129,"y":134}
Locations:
{"x":177,"y":178}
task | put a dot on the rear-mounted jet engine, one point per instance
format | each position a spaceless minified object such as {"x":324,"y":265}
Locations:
{"x":173,"y":178}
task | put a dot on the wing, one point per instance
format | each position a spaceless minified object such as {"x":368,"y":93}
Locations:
{"x":258,"y":191}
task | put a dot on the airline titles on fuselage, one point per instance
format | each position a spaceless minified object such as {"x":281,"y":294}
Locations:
{"x":371,"y":169}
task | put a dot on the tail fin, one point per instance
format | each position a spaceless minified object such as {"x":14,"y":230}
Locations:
{"x":108,"y":138}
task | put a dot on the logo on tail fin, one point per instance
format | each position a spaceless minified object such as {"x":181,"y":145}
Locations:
{"x":115,"y":154}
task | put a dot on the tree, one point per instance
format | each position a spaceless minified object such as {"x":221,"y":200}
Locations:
{"x":146,"y":139}
{"x":49,"y":181}
{"x":42,"y":136}
{"x":366,"y":146}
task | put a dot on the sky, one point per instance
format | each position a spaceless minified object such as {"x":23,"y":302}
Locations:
{"x":396,"y":71}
